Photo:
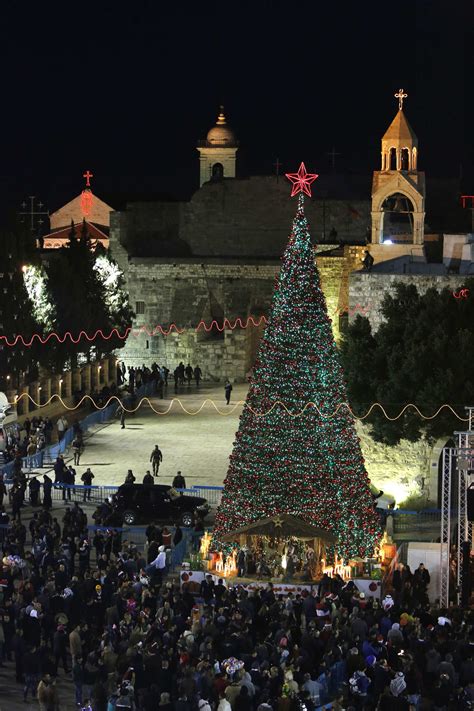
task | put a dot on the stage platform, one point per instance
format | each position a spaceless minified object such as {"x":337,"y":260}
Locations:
{"x":371,"y":588}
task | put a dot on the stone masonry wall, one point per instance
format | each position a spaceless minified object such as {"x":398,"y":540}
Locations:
{"x":188,"y":292}
{"x":367,"y":291}
{"x":410,"y":468}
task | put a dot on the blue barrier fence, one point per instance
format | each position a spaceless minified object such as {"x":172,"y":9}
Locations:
{"x":49,"y":454}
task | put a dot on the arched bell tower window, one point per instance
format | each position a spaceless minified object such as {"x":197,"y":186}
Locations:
{"x":405,"y":163}
{"x":217,"y":172}
{"x":392,"y":159}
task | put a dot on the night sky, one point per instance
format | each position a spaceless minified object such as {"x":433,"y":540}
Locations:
{"x":126,"y":89}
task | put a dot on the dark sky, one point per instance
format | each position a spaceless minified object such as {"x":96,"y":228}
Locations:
{"x":126,"y":88}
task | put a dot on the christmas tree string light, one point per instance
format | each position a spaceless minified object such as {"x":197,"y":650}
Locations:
{"x":312,"y":466}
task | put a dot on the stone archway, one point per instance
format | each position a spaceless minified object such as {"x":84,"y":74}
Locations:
{"x":396,"y":197}
{"x":397,"y":224}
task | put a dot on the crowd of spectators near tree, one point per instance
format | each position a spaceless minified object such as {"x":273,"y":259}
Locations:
{"x":89,"y":605}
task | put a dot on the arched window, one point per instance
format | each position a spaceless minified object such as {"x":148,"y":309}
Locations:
{"x":397,"y":219}
{"x":217,"y":171}
{"x":405,"y":159}
{"x":392,"y":159}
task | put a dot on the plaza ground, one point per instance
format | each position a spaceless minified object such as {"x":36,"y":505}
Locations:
{"x":198,"y":445}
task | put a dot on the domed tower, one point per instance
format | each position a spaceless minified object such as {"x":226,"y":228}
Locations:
{"x":217,"y":152}
{"x":398,"y":189}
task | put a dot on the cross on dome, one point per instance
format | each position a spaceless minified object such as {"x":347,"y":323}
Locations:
{"x":400,"y":96}
{"x":301,"y":181}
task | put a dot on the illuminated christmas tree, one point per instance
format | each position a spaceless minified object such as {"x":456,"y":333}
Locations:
{"x":309,"y":465}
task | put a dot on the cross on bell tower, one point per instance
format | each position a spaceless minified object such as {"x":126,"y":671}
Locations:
{"x":400,"y":96}
{"x":399,"y":182}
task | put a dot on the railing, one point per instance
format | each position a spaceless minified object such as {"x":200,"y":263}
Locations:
{"x":415,"y":521}
{"x":49,"y":454}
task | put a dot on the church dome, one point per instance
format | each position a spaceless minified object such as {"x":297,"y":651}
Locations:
{"x":221,"y":134}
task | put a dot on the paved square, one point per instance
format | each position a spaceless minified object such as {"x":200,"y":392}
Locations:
{"x":198,"y":445}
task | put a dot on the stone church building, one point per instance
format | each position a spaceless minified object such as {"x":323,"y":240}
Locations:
{"x":216,"y":256}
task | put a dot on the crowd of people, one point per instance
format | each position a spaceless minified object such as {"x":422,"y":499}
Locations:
{"x":26,"y":441}
{"x":88,"y":605}
{"x":158,"y":375}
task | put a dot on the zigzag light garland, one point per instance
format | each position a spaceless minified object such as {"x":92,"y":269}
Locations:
{"x":226,"y":324}
{"x":239,"y":403}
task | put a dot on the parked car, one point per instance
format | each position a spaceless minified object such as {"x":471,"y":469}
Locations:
{"x":143,"y":503}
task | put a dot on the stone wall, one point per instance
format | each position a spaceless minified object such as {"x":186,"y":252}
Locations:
{"x":253,"y":217}
{"x":367,"y":291}
{"x":402,"y":471}
{"x":186,"y":292}
{"x":234,"y":218}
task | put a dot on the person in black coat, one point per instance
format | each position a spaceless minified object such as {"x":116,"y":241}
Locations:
{"x":47,"y":488}
{"x":60,"y":645}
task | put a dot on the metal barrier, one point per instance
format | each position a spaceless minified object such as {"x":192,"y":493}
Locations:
{"x":213,"y":494}
{"x":49,"y":454}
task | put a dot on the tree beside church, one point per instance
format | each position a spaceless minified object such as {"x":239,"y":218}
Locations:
{"x":18,"y":362}
{"x":83,"y":299}
{"x":420,"y":354}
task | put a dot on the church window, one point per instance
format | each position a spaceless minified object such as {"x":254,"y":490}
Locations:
{"x":405,"y":159}
{"x":217,"y":171}
{"x":392,"y":165}
{"x":139,"y":308}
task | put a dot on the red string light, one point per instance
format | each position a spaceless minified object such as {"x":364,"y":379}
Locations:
{"x":461,"y":294}
{"x":226,"y":324}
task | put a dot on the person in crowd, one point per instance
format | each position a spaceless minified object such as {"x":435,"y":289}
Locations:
{"x":34,"y":487}
{"x":69,"y":479}
{"x":227,"y":391}
{"x":86,"y":479}
{"x":59,"y":469}
{"x":181,"y":372}
{"x":47,"y":489}
{"x":121,"y":415}
{"x":61,"y":427}
{"x":77,"y":448}
{"x":156,"y":457}
{"x":148,"y":478}
{"x":179,"y":482}
{"x":368,"y":261}
{"x":48,"y":430}
{"x":197,"y":375}
{"x":130,"y":478}
{"x":188,"y":371}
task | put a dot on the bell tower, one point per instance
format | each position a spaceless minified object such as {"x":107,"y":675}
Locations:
{"x":217,"y":152}
{"x":398,"y":189}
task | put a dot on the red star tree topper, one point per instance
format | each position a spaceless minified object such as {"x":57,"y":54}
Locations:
{"x":301,"y":181}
